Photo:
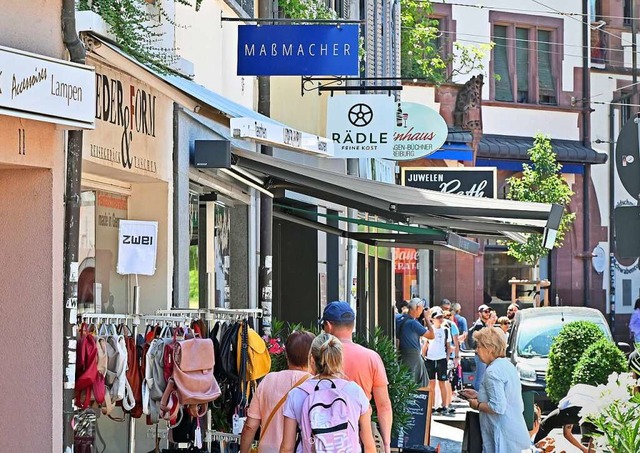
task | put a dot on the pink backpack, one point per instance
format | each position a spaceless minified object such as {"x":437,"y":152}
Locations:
{"x":327,"y":424}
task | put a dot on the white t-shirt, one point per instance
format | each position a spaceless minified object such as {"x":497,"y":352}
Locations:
{"x":437,"y":347}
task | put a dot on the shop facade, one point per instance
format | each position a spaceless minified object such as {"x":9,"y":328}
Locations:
{"x":34,"y":119}
{"x":126,"y":175}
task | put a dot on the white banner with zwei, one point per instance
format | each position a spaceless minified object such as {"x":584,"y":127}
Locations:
{"x":137,"y":247}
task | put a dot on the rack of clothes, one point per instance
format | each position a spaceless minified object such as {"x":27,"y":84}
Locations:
{"x":112,"y":356}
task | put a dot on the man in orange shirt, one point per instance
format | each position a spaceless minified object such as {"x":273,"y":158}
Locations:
{"x":361,"y":365}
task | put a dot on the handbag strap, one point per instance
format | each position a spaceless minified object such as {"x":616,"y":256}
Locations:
{"x":280,"y":403}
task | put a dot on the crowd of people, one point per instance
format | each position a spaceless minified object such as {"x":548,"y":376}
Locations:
{"x":441,"y":333}
{"x":323,"y":400}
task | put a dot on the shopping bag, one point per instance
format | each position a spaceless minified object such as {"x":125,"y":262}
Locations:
{"x":472,"y":437}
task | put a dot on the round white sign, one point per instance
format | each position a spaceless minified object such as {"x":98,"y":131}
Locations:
{"x":420,"y":131}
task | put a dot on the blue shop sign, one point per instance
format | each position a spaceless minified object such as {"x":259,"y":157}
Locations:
{"x":305,"y":50}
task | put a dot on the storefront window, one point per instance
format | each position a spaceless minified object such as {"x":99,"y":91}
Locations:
{"x":194,"y":286}
{"x":222,"y":255}
{"x":100,"y":288}
{"x":499,"y":268}
{"x":406,"y":273}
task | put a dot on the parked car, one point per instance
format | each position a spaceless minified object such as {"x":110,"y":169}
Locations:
{"x":530,"y":341}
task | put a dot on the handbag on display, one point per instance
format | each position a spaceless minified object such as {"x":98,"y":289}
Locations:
{"x":192,"y":383}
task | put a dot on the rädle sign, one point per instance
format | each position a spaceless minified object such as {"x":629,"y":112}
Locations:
{"x":471,"y":181}
{"x":291,"y":50}
{"x":361,"y":125}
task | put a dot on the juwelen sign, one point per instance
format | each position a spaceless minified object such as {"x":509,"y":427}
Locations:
{"x":420,"y":131}
{"x":290,"y":50}
{"x":474,"y":182}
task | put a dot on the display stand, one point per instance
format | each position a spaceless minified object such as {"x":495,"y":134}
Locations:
{"x":223,"y":438}
{"x":134,"y":332}
{"x":177,"y":317}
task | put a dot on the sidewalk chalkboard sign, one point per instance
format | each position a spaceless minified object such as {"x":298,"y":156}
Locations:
{"x":418,"y":433}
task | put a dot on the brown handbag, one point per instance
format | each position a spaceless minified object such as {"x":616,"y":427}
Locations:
{"x":192,"y":384}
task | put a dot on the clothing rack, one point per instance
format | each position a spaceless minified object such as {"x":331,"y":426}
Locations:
{"x":179,"y":317}
{"x":106,"y":318}
{"x":223,"y":439}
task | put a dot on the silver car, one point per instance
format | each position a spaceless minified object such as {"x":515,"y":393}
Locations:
{"x":530,"y":341}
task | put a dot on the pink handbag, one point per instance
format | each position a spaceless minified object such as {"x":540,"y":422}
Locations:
{"x":192,"y":384}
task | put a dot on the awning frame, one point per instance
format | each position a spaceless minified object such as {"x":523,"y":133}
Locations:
{"x":465,"y":215}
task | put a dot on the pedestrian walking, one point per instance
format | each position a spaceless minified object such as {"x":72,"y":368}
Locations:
{"x":499,"y":400}
{"x":328,"y":412}
{"x":437,"y":355}
{"x":265,"y":410}
{"x":361,"y":365}
{"x":462,"y":324}
{"x":484,"y":320}
{"x":409,"y":331}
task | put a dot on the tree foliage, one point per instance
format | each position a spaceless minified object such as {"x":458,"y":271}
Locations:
{"x":136,"y":28}
{"x":422,"y":54}
{"x":596,"y":363}
{"x":306,"y":9}
{"x":540,"y":182}
{"x":566,"y":350}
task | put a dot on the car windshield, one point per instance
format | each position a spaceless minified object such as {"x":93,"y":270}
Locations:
{"x":535,"y":334}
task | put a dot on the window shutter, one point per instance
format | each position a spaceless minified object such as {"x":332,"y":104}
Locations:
{"x":522,"y":63}
{"x":546,"y":82}
{"x":503,"y":90}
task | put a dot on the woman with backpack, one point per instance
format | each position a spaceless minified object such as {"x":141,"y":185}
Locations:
{"x":331,"y":413}
{"x":266,"y":407}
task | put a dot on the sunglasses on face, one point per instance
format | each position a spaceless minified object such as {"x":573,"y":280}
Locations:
{"x":486,"y":311}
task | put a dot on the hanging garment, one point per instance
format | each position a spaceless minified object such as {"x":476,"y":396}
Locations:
{"x":89,"y":379}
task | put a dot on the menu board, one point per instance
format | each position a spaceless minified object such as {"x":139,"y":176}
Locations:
{"x":418,"y":432}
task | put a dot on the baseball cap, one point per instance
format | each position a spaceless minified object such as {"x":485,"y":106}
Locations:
{"x":338,"y":311}
{"x":445,"y":302}
{"x":415,"y":302}
{"x":483,"y":307}
{"x":436,"y":312}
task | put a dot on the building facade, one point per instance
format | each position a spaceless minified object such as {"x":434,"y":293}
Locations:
{"x":41,"y":97}
{"x":529,"y":84}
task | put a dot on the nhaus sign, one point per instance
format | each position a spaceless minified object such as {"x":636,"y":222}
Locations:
{"x":285,"y":50}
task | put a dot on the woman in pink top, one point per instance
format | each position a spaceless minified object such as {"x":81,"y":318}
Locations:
{"x":272,"y":390}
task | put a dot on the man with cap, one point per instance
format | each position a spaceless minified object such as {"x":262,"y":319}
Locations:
{"x":409,"y":331}
{"x":484,"y":320}
{"x":361,"y":365}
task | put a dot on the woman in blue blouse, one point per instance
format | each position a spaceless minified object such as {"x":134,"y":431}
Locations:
{"x":499,"y":399}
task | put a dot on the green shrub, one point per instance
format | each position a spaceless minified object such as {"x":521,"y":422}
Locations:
{"x":402,"y":385}
{"x":567,"y":348}
{"x":596,"y":364}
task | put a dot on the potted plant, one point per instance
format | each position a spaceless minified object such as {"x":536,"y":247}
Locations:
{"x":566,"y":350}
{"x":615,"y":414}
{"x":402,"y":385}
